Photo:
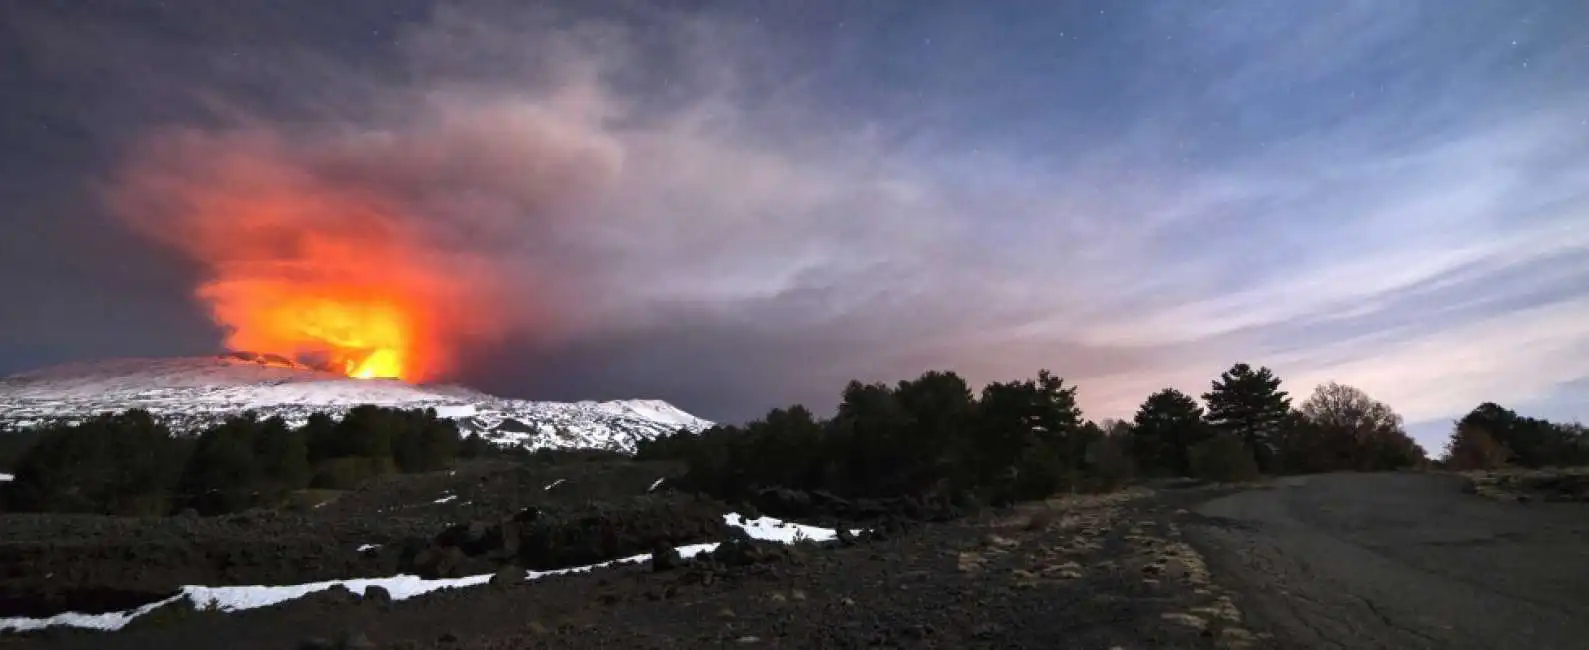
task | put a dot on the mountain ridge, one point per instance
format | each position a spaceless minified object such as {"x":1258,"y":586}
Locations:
{"x":188,"y":393}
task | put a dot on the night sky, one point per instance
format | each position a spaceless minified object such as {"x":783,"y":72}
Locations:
{"x":737,"y":205}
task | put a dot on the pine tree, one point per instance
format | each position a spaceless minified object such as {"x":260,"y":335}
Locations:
{"x":1166,"y":427}
{"x":223,"y":474}
{"x":1249,"y":404}
{"x":283,"y":454}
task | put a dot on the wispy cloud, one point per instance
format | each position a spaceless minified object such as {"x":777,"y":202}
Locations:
{"x":1137,"y":196}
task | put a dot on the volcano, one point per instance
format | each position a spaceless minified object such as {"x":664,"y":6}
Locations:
{"x":194,"y":392}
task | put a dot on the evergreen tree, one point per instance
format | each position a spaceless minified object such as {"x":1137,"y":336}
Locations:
{"x":121,"y":464}
{"x":366,"y":432}
{"x":1165,"y":428}
{"x":223,"y":474}
{"x":940,"y":408}
{"x":1029,"y":438}
{"x":1249,"y":404}
{"x":320,"y":434}
{"x":283,"y":454}
{"x":874,"y":429}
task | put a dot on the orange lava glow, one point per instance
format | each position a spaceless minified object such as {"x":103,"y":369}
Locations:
{"x":324,"y":273}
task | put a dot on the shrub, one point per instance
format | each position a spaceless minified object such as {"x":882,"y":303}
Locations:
{"x":1472,"y":447}
{"x":1224,"y":458}
{"x":349,"y":472}
{"x":1111,"y":462}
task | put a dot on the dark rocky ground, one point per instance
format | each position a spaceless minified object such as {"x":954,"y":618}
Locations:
{"x":1359,"y":561}
{"x":54,"y":563}
{"x":1083,"y":571}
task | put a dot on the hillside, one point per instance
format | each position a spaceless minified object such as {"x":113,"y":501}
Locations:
{"x":189,"y":393}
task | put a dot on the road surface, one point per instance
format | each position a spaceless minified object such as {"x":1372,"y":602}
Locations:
{"x":1401,"y":561}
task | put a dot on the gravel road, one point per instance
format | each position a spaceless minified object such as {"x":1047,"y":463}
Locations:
{"x":1400,"y":561}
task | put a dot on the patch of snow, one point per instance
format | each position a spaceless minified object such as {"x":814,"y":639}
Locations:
{"x":401,"y":587}
{"x":445,"y":499}
{"x":656,"y":484}
{"x":368,"y":547}
{"x":555,"y":484}
{"x":778,"y":530}
{"x":456,"y":411}
{"x":6,"y":477}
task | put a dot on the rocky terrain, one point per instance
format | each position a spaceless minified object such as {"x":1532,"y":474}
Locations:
{"x":191,"y":393}
{"x":1083,"y":571}
{"x":492,"y":551}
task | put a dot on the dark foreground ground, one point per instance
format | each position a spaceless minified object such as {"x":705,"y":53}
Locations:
{"x":1073,"y":572}
{"x":1401,"y":561}
{"x":1338,"y":561}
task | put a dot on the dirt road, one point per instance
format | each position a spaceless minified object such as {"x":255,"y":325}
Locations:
{"x":1401,"y":561}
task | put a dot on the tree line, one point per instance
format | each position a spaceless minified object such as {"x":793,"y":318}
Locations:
{"x":926,"y":437}
{"x":1490,"y":437}
{"x":131,"y":464}
{"x":933,"y":437}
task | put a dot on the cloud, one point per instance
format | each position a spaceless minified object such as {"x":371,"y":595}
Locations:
{"x":698,"y":206}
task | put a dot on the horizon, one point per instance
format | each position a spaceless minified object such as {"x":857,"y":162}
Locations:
{"x":736,"y":206}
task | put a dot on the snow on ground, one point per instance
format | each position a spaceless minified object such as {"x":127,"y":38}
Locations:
{"x":401,"y":587}
{"x":777,"y":530}
{"x":555,"y":484}
{"x":6,"y":477}
{"x":445,"y":499}
{"x":367,"y":547}
{"x":656,"y":484}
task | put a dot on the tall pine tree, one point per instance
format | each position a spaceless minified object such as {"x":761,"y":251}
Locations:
{"x":1249,"y":404}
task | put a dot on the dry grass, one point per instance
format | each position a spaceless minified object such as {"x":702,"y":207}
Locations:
{"x":1518,"y":484}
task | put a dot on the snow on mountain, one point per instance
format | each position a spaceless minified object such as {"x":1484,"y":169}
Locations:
{"x":189,"y":393}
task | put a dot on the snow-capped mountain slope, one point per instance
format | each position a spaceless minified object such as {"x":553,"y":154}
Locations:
{"x":189,"y":393}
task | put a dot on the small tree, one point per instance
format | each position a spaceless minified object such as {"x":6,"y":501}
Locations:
{"x":1166,"y":426}
{"x":1224,"y":458}
{"x":1249,"y":404}
{"x":1111,"y":464}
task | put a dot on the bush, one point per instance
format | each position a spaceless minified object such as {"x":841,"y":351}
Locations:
{"x":1111,"y":463}
{"x":1472,"y":447}
{"x":349,"y":472}
{"x":1224,"y":458}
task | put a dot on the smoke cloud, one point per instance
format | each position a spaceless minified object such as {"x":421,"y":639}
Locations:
{"x":369,"y":237}
{"x":736,"y":206}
